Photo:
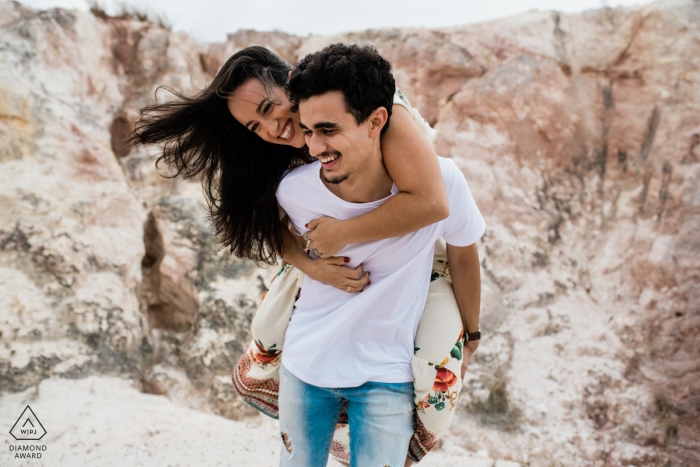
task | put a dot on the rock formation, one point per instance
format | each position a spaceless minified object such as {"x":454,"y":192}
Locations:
{"x":579,"y":135}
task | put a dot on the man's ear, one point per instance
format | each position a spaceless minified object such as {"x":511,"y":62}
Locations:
{"x":377,"y":120}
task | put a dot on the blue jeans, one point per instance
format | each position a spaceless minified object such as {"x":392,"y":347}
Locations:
{"x":380,"y":417}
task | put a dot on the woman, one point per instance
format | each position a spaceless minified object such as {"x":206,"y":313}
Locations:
{"x":240,"y":136}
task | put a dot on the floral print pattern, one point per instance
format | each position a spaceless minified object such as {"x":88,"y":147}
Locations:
{"x":445,"y":381}
{"x":263,"y":356}
{"x":256,"y":378}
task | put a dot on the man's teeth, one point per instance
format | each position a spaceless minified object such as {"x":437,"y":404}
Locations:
{"x":327,"y":159}
{"x":287,"y":130}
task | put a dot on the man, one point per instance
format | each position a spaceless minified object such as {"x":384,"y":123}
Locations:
{"x":357,"y":348}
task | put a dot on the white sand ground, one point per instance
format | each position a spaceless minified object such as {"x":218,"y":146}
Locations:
{"x":105,"y":421}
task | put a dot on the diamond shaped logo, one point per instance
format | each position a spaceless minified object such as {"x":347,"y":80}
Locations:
{"x":28,"y":427}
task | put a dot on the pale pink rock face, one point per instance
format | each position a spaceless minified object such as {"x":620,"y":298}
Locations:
{"x":579,"y":136}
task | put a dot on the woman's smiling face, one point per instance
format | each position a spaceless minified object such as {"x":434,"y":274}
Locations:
{"x":268,"y":116}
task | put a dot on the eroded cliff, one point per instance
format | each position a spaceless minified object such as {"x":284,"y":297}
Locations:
{"x":579,"y":136}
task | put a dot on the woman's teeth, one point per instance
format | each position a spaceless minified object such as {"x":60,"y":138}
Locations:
{"x":287,"y":130}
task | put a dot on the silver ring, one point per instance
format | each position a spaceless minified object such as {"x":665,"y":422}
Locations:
{"x":306,"y":236}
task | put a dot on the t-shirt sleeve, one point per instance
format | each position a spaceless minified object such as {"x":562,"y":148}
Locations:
{"x":281,"y":212}
{"x":465,"y":225}
{"x":426,"y":129}
{"x":289,"y":206}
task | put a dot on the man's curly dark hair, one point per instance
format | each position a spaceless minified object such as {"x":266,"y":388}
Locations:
{"x":359,"y":72}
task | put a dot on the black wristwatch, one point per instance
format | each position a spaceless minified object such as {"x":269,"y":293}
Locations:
{"x":472,"y":336}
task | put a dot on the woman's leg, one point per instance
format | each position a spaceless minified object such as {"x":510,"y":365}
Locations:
{"x":436,"y":363}
{"x":436,"y":367}
{"x":256,"y":375}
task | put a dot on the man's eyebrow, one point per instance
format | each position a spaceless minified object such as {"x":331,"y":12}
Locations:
{"x":327,"y":125}
{"x":322,"y":125}
{"x":257,"y":110}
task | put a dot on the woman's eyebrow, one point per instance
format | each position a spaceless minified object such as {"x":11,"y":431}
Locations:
{"x":257,"y":110}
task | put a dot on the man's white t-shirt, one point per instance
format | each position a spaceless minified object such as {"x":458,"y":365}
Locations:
{"x":337,"y":339}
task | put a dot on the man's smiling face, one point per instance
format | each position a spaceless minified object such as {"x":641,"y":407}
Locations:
{"x":334,"y":137}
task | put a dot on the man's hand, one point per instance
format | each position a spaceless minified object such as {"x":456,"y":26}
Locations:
{"x":466,"y":283}
{"x":467,"y":352}
{"x":326,"y":236}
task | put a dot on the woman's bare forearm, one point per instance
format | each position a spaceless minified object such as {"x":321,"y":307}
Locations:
{"x":399,"y":215}
{"x":422,"y":200}
{"x":413,"y":166}
{"x":294,"y":253}
{"x":330,"y":271}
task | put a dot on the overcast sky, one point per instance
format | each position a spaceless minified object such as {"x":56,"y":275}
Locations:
{"x":211,"y":20}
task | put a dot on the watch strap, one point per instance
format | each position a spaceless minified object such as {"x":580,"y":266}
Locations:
{"x":472,"y":336}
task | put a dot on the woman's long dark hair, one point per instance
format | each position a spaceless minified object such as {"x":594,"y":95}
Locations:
{"x":239,"y":171}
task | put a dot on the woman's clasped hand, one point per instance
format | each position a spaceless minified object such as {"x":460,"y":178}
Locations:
{"x":334,"y":271}
{"x":325,"y":236}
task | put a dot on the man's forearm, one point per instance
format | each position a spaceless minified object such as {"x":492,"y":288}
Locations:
{"x":465,"y":272}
